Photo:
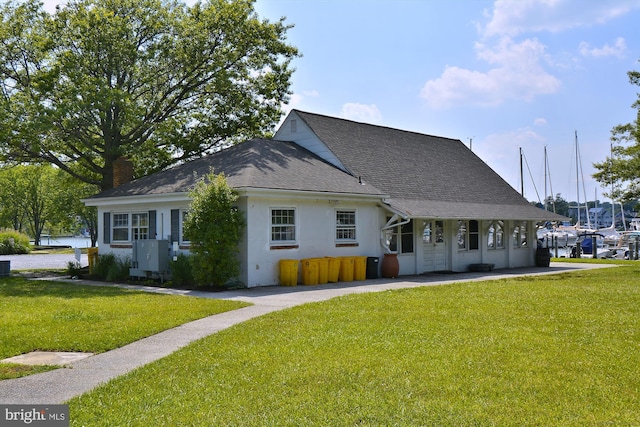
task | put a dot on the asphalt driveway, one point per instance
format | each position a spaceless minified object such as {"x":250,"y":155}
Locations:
{"x":42,"y":261}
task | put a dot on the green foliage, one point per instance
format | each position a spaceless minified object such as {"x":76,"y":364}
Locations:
{"x":156,"y":81}
{"x":14,"y":242}
{"x":34,"y":198}
{"x":620,"y":173}
{"x":53,"y":316}
{"x":214,"y":226}
{"x":182,"y":271}
{"x":74,"y":268}
{"x":111,"y":268}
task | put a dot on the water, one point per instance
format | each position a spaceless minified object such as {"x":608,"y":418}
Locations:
{"x":74,"y":242}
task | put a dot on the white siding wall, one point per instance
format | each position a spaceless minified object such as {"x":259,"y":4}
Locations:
{"x":315,"y":219}
{"x":315,"y":235}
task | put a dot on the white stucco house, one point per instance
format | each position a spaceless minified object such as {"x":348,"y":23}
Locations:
{"x":329,"y":187}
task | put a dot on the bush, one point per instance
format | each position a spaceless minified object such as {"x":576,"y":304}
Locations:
{"x":215,"y":227}
{"x":110,"y":268}
{"x":74,"y":269}
{"x":181,"y":271}
{"x":14,"y":242}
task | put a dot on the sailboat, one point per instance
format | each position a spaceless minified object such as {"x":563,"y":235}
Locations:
{"x":604,"y":236}
{"x":563,"y":234}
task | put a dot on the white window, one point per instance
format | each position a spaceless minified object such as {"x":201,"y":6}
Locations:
{"x":140,"y":226}
{"x":496,"y":235}
{"x":401,"y":238}
{"x":130,"y":226}
{"x":346,"y":225}
{"x":120,"y":227}
{"x":468,"y":235}
{"x":283,"y":225}
{"x":520,"y":235}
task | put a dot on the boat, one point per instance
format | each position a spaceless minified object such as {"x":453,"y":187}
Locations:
{"x":626,"y":247}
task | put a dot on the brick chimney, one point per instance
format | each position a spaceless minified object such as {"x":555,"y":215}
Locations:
{"x":122,"y":171}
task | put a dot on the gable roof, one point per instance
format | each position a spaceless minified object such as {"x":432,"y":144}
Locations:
{"x":255,"y":164}
{"x":425,"y":176}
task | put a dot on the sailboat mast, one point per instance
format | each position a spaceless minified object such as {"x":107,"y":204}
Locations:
{"x":545,"y":178}
{"x":577,"y":177}
{"x":521,"y":175}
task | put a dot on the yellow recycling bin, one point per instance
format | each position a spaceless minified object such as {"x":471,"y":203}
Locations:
{"x":288,"y":272}
{"x":323,"y":270}
{"x":333,"y":269}
{"x":92,"y":256}
{"x":346,"y":269}
{"x":360,"y":268}
{"x":310,"y":271}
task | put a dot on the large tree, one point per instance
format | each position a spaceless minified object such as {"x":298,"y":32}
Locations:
{"x":152,"y":80}
{"x":620,"y":173}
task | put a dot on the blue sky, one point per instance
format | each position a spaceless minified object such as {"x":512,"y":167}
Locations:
{"x":503,"y":75}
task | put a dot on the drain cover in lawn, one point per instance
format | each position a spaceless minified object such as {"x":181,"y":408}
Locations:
{"x":47,"y":358}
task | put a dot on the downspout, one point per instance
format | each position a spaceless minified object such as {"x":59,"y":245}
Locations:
{"x":389,"y":225}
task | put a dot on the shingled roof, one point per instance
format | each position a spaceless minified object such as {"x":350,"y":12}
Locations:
{"x":425,"y":176}
{"x":257,"y":164}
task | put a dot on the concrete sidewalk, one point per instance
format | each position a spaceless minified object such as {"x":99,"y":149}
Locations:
{"x":80,"y":376}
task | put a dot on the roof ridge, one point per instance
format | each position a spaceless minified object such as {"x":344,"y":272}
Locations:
{"x":303,"y":113}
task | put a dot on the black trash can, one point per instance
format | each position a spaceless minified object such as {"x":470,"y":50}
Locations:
{"x":5,"y":268}
{"x":372,"y":267}
{"x":543,"y":257}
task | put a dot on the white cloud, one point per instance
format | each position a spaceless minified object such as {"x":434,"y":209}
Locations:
{"x":540,"y":121}
{"x":618,"y":49}
{"x":517,"y":74}
{"x":501,"y":152}
{"x":361,"y":112}
{"x":513,"y":17}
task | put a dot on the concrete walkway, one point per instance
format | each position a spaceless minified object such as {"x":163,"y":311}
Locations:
{"x":80,"y":376}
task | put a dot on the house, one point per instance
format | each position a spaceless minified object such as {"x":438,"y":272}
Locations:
{"x":600,"y":217}
{"x":325,"y":186}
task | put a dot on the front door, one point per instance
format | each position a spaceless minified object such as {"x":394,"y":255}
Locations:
{"x":434,"y":247}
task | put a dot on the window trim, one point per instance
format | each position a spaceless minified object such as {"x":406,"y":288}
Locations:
{"x":129,"y":226}
{"x":395,"y":235}
{"x":520,"y":238}
{"x":470,"y":239}
{"x":498,"y":227}
{"x":274,"y":242}
{"x":346,"y":227}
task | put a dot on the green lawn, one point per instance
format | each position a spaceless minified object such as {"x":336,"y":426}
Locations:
{"x":556,"y":350}
{"x":54,"y":316}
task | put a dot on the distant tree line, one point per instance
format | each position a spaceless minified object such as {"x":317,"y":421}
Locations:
{"x":42,"y":199}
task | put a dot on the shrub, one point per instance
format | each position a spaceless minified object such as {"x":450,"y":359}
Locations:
{"x":14,"y":242}
{"x":215,"y":227}
{"x":74,"y":268}
{"x":181,"y":271}
{"x":110,"y":268}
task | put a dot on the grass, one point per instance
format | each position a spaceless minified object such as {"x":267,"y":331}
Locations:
{"x":551,"y":350}
{"x":54,"y":316}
